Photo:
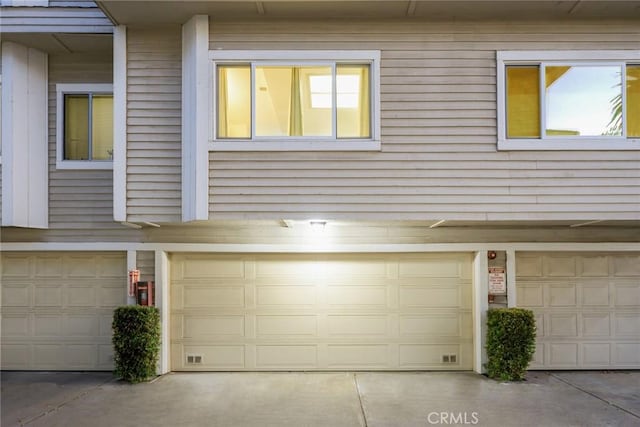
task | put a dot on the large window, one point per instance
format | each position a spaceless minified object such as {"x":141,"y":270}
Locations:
{"x":85,"y":126}
{"x":262,"y":98}
{"x":568,"y":100}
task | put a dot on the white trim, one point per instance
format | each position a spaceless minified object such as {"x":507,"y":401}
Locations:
{"x":511,"y":278}
{"x":298,"y":145}
{"x":560,"y":57}
{"x":120,"y":123}
{"x":162,"y":302}
{"x":132,"y":262}
{"x":195,"y":119}
{"x":61,"y":90}
{"x":339,"y":248}
{"x":303,"y":57}
{"x":480,"y":307}
{"x":25,"y":175}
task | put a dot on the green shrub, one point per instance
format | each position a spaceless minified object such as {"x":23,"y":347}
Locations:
{"x":136,"y":342}
{"x":511,"y":342}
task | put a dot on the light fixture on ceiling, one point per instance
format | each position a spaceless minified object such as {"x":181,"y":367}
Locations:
{"x":317,"y":225}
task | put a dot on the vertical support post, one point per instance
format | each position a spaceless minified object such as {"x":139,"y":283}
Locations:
{"x":480,"y":307}
{"x":131,"y":265}
{"x":162,"y":302}
{"x":511,"y":278}
{"x":120,"y":123}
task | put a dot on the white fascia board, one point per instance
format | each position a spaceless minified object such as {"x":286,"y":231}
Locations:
{"x":120,"y":123}
{"x":25,"y":201}
{"x":195,"y":107}
{"x":162,"y":302}
{"x":337,"y":248}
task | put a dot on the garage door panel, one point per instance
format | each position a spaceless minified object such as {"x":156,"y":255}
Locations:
{"x":209,"y":327}
{"x":48,"y":296}
{"x":559,"y":266}
{"x":447,"y":325}
{"x":596,"y":294}
{"x":627,"y":325}
{"x":530,"y":295}
{"x":429,"y":356}
{"x":287,"y":326}
{"x":58,"y":308}
{"x":414,"y":296}
{"x":591,"y":316}
{"x":627,"y":295}
{"x":358,"y":356}
{"x":286,"y":356}
{"x":47,"y":326}
{"x":596,"y":355}
{"x":16,"y":325}
{"x":16,"y":296}
{"x":218,"y":296}
{"x":80,"y":267}
{"x":625,"y":266}
{"x":317,"y":312}
{"x":48,"y":266}
{"x":16,"y":266}
{"x":596,"y":325}
{"x":439,"y":267}
{"x":627,"y":355}
{"x":358,"y":325}
{"x":529,"y":265}
{"x":286,"y":296}
{"x":562,"y":295}
{"x":594,"y":266}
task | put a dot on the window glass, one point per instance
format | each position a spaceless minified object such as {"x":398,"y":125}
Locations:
{"x":582,"y":100}
{"x":633,"y":100}
{"x":76,"y":127}
{"x":285,"y":104}
{"x":102,"y":127}
{"x":234,"y":101}
{"x":353,"y":101}
{"x":523,"y":101}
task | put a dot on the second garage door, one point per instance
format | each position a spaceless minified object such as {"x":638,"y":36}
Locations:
{"x":321,"y":312}
{"x":587,"y":307}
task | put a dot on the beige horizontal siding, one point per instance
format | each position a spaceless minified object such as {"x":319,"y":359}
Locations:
{"x":154,"y":71}
{"x":80,"y":201}
{"x":438,"y":118}
{"x":146,"y":263}
{"x":61,"y":17}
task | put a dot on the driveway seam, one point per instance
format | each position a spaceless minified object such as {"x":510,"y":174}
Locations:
{"x":72,"y":399}
{"x":569,"y":383}
{"x":364,"y":415}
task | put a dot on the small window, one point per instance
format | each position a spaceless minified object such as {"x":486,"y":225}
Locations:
{"x":270,"y":97}
{"x":568,"y":100}
{"x":85,"y":126}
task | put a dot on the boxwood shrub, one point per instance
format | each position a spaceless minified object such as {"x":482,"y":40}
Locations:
{"x":511,"y":342}
{"x":136,"y":342}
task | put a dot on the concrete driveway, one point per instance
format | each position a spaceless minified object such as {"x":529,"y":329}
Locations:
{"x":321,"y":399}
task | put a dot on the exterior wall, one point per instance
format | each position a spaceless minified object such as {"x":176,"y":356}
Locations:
{"x":61,"y":16}
{"x":154,"y":73}
{"x":438,"y":158}
{"x":80,"y":201}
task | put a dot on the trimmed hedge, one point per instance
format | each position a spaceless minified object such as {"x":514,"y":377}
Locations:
{"x":136,"y":342}
{"x":511,"y":342}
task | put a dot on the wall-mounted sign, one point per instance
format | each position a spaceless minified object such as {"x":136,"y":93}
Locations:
{"x":497,"y":281}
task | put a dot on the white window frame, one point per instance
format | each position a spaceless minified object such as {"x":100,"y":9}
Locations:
{"x":61,"y":91}
{"x":560,"y":57}
{"x":296,"y":57}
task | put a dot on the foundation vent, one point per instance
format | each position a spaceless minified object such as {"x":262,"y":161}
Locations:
{"x":450,"y":358}
{"x":194,"y":359}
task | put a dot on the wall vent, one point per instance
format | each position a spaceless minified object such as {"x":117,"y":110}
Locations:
{"x":449,"y":358}
{"x":194,"y":359}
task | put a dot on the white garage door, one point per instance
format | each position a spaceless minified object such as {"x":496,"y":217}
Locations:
{"x":321,"y":312}
{"x":587,"y":308}
{"x":57,"y":309}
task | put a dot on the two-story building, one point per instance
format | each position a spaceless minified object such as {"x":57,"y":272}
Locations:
{"x":321,"y":185}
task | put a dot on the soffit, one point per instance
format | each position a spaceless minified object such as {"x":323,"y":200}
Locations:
{"x":178,"y":12}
